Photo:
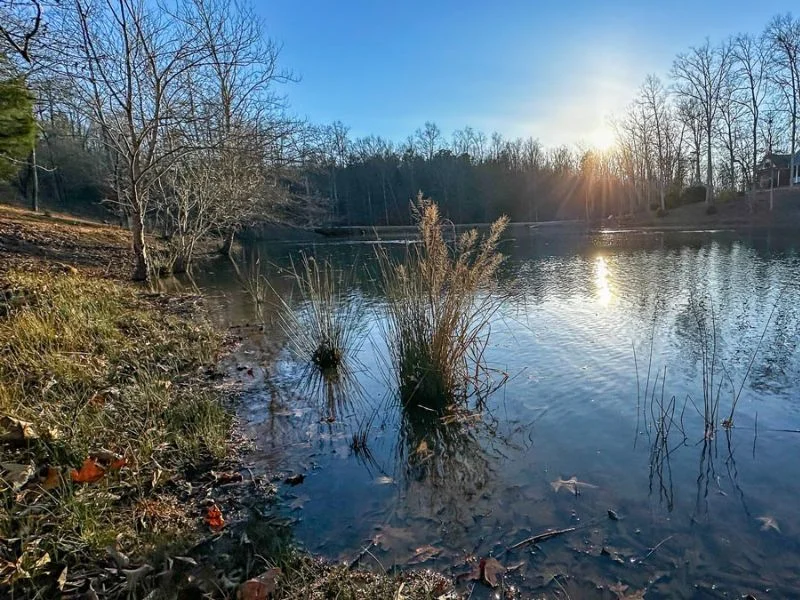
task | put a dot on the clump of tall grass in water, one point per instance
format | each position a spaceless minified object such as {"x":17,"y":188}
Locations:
{"x":440,"y":303}
{"x":324,"y":329}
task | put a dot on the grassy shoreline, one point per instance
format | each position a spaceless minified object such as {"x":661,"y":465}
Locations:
{"x":118,"y":441}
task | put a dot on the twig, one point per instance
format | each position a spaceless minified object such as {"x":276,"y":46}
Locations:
{"x":361,"y":554}
{"x":535,"y":539}
{"x":656,"y":547}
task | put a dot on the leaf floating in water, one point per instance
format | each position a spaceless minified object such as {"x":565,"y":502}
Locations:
{"x":295,"y":479}
{"x":384,"y":480}
{"x":424,"y":554}
{"x":422,"y":449}
{"x":768,"y":523}
{"x":572,"y":484}
{"x":618,"y":589}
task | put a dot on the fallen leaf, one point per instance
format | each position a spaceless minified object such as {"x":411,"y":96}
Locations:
{"x":62,"y":579}
{"x":295,"y":479}
{"x":214,"y":518}
{"x":490,"y":569}
{"x":51,"y":479}
{"x":423,"y":554}
{"x":89,"y":472}
{"x":226,"y":477}
{"x":572,"y":484}
{"x":259,"y":588}
{"x":613,"y":515}
{"x":15,"y":430}
{"x":618,"y":588}
{"x":117,"y":464}
{"x":15,"y":475}
{"x":768,"y":523}
{"x":422,"y":449}
{"x":486,"y":571}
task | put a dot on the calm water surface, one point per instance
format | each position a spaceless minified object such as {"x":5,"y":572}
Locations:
{"x":720,"y":513}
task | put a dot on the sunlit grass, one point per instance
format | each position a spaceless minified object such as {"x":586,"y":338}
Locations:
{"x":441,"y":299}
{"x":98,"y":372}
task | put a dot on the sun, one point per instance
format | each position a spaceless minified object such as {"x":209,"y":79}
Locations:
{"x":603,"y":138}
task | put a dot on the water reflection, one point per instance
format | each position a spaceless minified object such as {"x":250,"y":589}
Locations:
{"x":604,"y":294}
{"x":565,"y":336}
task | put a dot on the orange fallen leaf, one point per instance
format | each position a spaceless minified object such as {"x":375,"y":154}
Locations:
{"x":214,"y":518}
{"x":89,"y":472}
{"x":259,"y":588}
{"x":116,"y":465}
{"x":52,"y":478}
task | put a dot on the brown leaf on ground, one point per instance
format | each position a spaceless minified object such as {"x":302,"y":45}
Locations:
{"x":15,"y":475}
{"x":51,"y":478}
{"x":89,"y":473}
{"x":16,"y":431}
{"x":259,"y":588}
{"x":214,"y":518}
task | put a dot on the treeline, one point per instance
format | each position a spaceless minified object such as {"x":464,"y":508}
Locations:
{"x":473,"y":178}
{"x":172,"y":118}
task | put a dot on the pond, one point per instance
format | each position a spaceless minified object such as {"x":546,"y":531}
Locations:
{"x":597,"y":333}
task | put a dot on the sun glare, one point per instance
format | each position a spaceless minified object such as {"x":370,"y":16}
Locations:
{"x":602,"y":138}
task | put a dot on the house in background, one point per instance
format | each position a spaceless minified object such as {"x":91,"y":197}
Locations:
{"x":774,"y":171}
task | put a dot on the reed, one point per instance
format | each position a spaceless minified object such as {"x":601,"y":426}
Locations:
{"x":441,"y":299}
{"x":325,"y":328}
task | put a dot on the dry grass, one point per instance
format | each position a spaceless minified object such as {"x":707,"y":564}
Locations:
{"x":101,"y":373}
{"x":323,"y":329}
{"x":441,"y":300}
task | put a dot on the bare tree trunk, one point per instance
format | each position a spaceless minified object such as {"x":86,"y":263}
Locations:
{"x":35,"y":175}
{"x":140,"y":270}
{"x":709,"y":175}
{"x":227,"y":243}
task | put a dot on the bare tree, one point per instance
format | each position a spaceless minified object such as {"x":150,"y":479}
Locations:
{"x":130,"y":68}
{"x":659,"y":125}
{"x":700,"y":75}
{"x":749,"y":67}
{"x":429,"y":140}
{"x":783,"y":37}
{"x":20,"y":23}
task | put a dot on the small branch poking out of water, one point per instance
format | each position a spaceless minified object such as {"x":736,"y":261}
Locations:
{"x":541,"y":537}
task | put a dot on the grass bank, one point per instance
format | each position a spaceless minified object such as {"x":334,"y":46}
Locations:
{"x":104,"y":410}
{"x":117,"y":445}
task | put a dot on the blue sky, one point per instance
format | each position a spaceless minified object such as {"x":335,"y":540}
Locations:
{"x":554,"y":70}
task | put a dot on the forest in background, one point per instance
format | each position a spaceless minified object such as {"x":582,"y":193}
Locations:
{"x":173,"y":117}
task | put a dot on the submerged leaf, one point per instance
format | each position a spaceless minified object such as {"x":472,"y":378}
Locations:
{"x":490,"y":570}
{"x":423,"y":554}
{"x":572,"y":484}
{"x":768,"y":523}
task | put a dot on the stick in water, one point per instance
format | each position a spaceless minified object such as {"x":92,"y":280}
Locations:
{"x":535,"y":539}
